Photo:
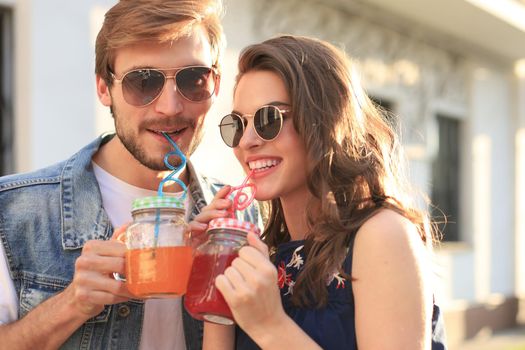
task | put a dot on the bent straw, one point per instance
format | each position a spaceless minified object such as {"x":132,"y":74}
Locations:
{"x":241,"y":200}
{"x":174,"y":170}
{"x":170,"y":177}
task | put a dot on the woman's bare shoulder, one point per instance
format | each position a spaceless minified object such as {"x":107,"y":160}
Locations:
{"x":388,"y":226}
{"x":387,"y":237}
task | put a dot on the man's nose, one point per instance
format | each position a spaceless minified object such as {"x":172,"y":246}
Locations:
{"x":170,"y":101}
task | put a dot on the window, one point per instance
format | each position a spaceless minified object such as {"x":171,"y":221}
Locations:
{"x":446,"y":178}
{"x":6,"y":88}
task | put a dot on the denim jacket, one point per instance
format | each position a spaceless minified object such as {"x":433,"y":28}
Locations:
{"x":46,"y":217}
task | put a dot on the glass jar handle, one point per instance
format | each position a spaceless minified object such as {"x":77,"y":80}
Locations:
{"x":121,"y":237}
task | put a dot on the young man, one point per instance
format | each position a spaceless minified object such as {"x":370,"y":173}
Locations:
{"x":157,"y":66}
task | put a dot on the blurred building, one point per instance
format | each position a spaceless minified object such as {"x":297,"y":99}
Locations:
{"x":451,"y":71}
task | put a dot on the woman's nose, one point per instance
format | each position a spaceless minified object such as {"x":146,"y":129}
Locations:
{"x":249,"y":138}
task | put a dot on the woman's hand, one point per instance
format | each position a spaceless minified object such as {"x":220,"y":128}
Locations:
{"x":218,"y":208}
{"x":249,"y":286}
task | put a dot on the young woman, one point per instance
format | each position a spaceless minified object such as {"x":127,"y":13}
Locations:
{"x":344,"y":260}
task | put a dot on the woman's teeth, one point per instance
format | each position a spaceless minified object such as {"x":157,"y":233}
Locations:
{"x":263,"y":164}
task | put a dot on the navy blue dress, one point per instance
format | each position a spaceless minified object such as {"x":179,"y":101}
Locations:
{"x":331,"y":326}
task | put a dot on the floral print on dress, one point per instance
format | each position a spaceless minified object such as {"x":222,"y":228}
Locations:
{"x":297,"y":259}
{"x":283,"y":278}
{"x":340,"y":280}
{"x":286,"y":272}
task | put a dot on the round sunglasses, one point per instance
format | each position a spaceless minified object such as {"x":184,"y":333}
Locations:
{"x":140,"y":87}
{"x":267,"y":123}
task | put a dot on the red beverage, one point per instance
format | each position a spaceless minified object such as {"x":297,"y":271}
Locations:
{"x":225,"y":236}
{"x":203,"y":300}
{"x":160,"y":272}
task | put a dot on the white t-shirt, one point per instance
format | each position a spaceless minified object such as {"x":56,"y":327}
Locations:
{"x":162,"y":328}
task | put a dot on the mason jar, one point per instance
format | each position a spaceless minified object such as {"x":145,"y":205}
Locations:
{"x":203,"y":301}
{"x":158,"y":255}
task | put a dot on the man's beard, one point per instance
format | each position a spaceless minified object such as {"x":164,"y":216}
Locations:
{"x":156,"y":161}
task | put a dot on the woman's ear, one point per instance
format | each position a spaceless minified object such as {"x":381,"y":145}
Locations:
{"x":103,"y":91}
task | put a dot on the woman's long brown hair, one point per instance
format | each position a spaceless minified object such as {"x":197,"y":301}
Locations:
{"x":354,"y":156}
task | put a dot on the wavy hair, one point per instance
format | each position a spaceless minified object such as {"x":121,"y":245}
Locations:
{"x":355,"y":157}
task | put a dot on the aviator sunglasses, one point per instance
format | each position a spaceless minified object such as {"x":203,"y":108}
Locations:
{"x":267,"y":123}
{"x":140,"y":87}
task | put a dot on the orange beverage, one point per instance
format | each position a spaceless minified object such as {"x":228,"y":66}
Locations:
{"x":160,"y":272}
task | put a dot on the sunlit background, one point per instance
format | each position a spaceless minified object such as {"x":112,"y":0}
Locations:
{"x":452,"y":72}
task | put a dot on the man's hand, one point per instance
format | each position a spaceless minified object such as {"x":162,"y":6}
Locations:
{"x":93,"y":285}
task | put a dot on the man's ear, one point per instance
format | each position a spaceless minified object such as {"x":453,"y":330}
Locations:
{"x":103,"y":91}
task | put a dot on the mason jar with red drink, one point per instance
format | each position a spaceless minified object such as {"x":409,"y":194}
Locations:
{"x":225,"y":236}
